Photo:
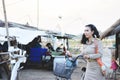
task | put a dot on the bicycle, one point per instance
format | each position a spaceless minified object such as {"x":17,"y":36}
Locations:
{"x":65,"y":70}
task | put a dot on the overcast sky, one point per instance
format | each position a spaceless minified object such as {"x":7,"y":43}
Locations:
{"x":69,"y":16}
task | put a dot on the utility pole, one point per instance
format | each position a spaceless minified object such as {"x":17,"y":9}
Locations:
{"x":6,"y":23}
{"x":37,"y":13}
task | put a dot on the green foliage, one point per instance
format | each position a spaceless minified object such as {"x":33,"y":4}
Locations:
{"x":75,"y":45}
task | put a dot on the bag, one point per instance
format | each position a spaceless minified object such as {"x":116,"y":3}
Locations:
{"x":114,"y":65}
{"x":68,"y":63}
{"x":105,"y":61}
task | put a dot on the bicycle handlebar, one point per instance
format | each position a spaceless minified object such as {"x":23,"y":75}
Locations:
{"x":79,"y":56}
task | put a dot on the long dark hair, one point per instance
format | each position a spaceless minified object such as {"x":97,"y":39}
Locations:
{"x":95,"y":34}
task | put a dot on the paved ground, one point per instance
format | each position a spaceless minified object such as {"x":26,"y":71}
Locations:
{"x":43,"y":75}
{"x":40,"y":74}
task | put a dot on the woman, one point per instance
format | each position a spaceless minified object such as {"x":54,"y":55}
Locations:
{"x":93,"y":70}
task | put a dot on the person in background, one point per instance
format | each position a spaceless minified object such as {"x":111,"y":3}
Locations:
{"x":114,"y":65}
{"x":93,"y":69}
{"x":66,"y":52}
{"x":60,"y":48}
{"x":35,"y":43}
{"x":50,"y":47}
{"x":63,"y":50}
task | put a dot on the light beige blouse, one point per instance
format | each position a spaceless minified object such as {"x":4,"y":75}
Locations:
{"x":89,"y":49}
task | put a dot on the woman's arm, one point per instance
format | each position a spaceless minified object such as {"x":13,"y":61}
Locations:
{"x":100,"y":51}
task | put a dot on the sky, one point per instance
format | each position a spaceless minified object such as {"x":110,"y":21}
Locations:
{"x":67,"y":16}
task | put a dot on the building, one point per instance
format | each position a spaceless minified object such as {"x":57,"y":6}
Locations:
{"x":114,"y":30}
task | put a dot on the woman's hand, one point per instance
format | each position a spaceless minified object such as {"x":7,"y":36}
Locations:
{"x":86,"y":56}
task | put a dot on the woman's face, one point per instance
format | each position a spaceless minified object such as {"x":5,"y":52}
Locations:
{"x":88,"y":33}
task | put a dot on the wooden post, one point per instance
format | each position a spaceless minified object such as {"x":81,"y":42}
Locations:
{"x":6,"y":23}
{"x":118,"y":46}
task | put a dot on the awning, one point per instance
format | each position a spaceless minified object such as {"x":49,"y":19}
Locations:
{"x":114,"y":29}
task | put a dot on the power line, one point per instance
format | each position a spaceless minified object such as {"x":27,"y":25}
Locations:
{"x":13,"y":3}
{"x":37,"y":13}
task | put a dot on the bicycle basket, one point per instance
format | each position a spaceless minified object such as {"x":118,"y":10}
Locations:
{"x":68,"y":63}
{"x":71,"y":62}
{"x":61,"y":71}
